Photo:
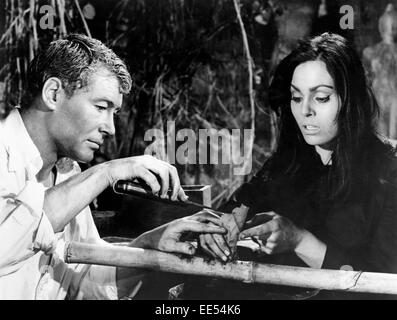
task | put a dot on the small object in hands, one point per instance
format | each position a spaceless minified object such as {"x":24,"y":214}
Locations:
{"x":141,"y":189}
{"x":233,"y":223}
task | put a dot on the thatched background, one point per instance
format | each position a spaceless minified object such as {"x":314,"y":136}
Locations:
{"x":189,"y":63}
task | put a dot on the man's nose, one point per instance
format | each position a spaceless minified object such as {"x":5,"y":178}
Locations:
{"x":108,"y":126}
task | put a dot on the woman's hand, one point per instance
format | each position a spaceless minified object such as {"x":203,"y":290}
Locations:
{"x":274,"y":233}
{"x":168,"y":237}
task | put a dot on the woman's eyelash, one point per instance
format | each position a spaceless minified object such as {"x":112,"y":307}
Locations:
{"x":296,"y":99}
{"x":323,"y":99}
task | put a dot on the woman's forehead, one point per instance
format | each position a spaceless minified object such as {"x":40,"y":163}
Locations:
{"x":312,"y":74}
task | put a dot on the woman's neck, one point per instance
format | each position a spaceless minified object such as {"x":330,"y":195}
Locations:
{"x":325,"y":155}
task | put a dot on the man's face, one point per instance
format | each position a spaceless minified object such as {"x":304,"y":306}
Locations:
{"x":80,"y":123}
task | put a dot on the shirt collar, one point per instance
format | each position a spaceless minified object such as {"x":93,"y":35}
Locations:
{"x":17,"y":133}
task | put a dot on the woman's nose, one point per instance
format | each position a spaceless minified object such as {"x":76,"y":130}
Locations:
{"x":307,"y":109}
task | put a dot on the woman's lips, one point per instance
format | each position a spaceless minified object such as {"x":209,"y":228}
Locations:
{"x":310,"y":129}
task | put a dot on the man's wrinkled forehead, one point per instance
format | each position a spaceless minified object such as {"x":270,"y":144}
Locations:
{"x":103,"y":85}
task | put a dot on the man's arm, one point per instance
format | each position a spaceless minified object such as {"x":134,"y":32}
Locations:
{"x":65,"y":200}
{"x":166,"y":238}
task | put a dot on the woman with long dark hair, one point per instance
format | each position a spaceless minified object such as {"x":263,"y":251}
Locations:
{"x":327,"y":198}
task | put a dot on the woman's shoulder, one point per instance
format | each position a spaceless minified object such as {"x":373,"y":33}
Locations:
{"x":385,"y":153}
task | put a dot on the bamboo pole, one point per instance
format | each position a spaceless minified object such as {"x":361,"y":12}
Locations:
{"x":245,"y":271}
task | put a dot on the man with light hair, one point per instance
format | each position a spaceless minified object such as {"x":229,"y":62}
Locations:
{"x":74,"y":88}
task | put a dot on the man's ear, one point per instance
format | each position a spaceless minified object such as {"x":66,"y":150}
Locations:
{"x":52,"y":93}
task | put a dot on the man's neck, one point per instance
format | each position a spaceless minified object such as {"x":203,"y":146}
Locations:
{"x":34,"y":121}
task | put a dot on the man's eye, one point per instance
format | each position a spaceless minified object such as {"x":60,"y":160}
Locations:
{"x":323,"y":99}
{"x":101,"y":108}
{"x":296,"y":99}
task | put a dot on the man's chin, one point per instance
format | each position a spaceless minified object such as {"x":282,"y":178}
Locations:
{"x":83,"y":157}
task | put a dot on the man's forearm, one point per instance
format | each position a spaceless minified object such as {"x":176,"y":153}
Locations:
{"x":65,"y":200}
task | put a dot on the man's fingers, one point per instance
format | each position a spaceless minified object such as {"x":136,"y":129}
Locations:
{"x":151,"y":180}
{"x":182,"y":195}
{"x":162,"y":170}
{"x":262,"y":229}
{"x":214,"y":247}
{"x":177,"y":190}
{"x":199,"y":227}
{"x":222,"y":244}
{"x":204,"y":246}
{"x":213,"y":220}
{"x":182,"y":247}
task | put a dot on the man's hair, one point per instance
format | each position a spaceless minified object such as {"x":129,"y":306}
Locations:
{"x":73,"y":60}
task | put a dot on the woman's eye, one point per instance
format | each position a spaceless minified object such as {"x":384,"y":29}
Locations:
{"x":101,"y":108}
{"x":296,"y":99}
{"x":323,"y":99}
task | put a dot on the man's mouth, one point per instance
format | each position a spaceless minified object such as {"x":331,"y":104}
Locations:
{"x":96,"y":144}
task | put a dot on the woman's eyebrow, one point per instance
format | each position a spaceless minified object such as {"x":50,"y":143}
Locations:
{"x":314,"y":88}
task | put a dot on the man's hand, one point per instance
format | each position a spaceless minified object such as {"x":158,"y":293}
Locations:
{"x":214,"y":245}
{"x":224,"y":246}
{"x":158,"y":175}
{"x":168,"y":237}
{"x":274,"y":233}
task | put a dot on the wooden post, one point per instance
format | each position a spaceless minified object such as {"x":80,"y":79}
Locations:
{"x":246,"y":271}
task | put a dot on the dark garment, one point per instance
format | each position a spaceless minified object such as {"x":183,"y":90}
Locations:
{"x":360,"y":232}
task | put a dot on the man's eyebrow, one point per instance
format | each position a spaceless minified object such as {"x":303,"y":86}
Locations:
{"x":314,"y":88}
{"x":108,"y":101}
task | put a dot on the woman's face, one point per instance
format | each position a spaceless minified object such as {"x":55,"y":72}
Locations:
{"x":315,"y":103}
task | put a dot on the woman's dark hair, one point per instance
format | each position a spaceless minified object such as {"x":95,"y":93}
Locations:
{"x":355,"y":119}
{"x":73,"y":60}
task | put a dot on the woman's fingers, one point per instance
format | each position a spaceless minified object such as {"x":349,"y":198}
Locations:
{"x":260,"y":218}
{"x":260,"y":230}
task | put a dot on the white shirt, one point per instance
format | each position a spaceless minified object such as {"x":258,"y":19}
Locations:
{"x":31,"y":255}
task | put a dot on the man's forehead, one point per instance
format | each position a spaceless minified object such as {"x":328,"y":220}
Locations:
{"x":104,"y":86}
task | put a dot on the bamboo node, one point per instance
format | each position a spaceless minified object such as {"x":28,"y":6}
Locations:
{"x":355,"y":279}
{"x":251,"y":276}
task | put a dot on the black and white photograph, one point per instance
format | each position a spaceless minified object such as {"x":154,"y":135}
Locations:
{"x":215,"y":151}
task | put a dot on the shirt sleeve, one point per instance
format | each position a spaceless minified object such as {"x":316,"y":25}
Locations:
{"x":91,"y":282}
{"x":24,"y":228}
